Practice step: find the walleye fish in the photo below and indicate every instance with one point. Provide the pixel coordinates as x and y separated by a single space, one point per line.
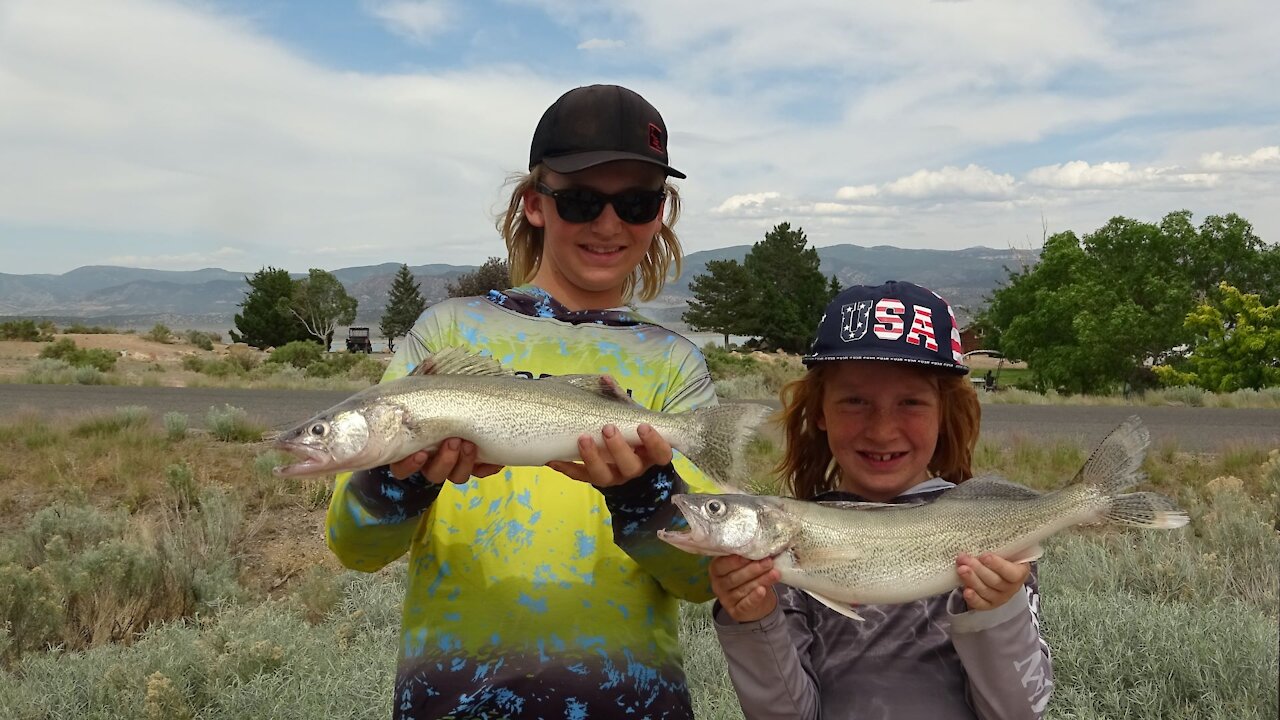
511 420
863 553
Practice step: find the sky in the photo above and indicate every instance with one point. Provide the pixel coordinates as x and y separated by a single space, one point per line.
184 134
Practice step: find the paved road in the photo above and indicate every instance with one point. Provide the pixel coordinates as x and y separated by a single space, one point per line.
1196 429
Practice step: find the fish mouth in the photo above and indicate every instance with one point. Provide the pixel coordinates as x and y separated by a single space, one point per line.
314 460
697 538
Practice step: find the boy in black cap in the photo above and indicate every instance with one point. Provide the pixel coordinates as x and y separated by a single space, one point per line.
884 414
521 601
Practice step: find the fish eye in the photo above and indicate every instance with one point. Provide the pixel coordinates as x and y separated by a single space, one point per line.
319 429
715 508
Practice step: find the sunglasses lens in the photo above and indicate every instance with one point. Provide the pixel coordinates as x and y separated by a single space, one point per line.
638 206
579 205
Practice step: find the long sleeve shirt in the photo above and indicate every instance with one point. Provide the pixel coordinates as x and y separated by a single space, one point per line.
520 602
932 658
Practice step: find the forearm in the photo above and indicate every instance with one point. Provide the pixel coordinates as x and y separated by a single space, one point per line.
373 516
765 667
1007 663
641 507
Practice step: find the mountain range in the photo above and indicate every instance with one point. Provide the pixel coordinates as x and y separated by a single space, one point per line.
209 298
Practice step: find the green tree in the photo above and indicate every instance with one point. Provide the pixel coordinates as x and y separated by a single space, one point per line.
262 321
1093 312
834 288
404 304
492 275
719 297
1236 345
790 292
321 303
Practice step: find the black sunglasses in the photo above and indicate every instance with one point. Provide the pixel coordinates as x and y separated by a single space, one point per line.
580 205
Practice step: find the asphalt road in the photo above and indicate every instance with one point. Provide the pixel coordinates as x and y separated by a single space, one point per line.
1194 429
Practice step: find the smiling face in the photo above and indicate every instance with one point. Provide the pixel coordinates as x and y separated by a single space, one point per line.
882 421
584 265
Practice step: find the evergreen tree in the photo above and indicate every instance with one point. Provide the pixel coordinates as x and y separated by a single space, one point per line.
263 321
719 297
404 304
493 275
790 292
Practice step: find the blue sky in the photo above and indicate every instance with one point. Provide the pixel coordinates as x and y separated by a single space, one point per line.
180 134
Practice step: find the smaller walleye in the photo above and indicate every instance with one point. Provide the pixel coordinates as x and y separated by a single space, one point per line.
511 420
864 553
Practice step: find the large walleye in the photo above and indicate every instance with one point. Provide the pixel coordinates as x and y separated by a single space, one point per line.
511 420
862 553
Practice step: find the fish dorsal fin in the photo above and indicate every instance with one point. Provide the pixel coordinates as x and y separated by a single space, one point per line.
843 608
603 385
857 505
989 487
460 361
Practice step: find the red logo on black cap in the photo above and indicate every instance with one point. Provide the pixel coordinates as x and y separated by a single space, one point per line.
655 137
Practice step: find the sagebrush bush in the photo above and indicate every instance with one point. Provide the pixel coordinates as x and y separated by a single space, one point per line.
67 351
160 333
232 424
200 339
20 330
175 425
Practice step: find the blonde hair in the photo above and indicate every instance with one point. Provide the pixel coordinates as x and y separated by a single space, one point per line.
664 259
808 468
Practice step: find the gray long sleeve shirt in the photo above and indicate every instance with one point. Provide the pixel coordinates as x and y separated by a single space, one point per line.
931 659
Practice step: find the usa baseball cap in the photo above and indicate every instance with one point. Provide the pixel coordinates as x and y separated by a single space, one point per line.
596 124
895 322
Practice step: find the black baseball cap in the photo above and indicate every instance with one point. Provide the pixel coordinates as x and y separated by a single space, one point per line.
596 124
895 322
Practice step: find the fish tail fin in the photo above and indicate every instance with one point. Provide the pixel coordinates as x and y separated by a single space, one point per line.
1114 466
721 434
1145 509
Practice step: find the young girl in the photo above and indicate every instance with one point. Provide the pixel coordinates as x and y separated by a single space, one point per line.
884 414
520 600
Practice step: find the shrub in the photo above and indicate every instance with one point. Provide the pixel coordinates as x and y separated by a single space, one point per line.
175 425
81 329
20 330
244 357
182 484
67 351
299 353
231 424
160 333
194 363
125 418
200 339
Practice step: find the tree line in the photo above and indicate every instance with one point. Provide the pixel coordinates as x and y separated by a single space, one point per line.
278 309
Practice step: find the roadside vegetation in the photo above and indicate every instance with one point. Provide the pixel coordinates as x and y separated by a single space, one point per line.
147 570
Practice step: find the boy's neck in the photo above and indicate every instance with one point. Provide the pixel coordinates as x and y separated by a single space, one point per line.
575 298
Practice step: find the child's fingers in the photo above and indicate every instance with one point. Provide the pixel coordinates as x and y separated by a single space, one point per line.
656 447
625 459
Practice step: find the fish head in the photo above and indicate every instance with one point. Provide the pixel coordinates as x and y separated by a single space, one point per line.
748 525
352 438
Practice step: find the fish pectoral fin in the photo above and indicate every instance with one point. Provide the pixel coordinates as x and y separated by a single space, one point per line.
1035 552
460 361
602 385
988 487
844 609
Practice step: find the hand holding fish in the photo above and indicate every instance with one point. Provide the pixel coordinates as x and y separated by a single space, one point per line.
744 587
455 461
617 462
989 580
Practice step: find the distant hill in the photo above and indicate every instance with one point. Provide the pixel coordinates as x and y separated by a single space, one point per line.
209 298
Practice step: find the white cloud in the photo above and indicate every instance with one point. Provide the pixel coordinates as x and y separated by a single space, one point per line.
750 202
1080 175
417 20
970 182
857 192
217 257
1266 158
601 44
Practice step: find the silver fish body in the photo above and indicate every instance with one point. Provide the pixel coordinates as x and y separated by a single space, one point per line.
867 553
511 420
